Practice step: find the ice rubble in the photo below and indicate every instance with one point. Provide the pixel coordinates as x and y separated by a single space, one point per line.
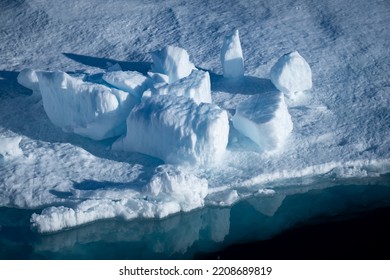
196 86
264 118
291 74
167 115
231 56
9 147
91 110
173 62
177 185
169 191
176 130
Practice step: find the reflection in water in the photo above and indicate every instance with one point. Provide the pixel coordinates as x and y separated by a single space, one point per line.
170 237
184 235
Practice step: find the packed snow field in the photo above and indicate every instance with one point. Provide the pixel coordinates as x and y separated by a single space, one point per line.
136 109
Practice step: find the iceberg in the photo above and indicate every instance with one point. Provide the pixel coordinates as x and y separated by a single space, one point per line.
196 86
342 130
231 56
130 81
264 118
176 130
173 62
29 79
291 74
91 110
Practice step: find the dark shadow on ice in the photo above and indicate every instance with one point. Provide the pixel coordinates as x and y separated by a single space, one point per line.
103 63
247 85
9 85
89 185
61 194
238 141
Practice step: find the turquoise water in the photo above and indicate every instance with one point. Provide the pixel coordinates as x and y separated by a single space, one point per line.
186 235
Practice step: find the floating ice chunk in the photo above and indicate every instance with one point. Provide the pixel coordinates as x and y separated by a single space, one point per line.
196 86
9 146
264 118
171 183
291 73
87 109
130 81
176 130
173 62
231 56
29 79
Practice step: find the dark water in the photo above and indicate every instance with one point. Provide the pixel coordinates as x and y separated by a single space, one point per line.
345 220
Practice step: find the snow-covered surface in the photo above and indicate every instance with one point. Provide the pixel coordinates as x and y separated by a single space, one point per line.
264 118
88 109
231 56
196 86
173 62
341 129
176 130
9 147
291 73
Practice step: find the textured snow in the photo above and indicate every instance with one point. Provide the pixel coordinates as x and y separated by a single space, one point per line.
130 81
195 86
9 147
264 118
176 130
173 62
340 130
231 56
177 185
84 108
291 73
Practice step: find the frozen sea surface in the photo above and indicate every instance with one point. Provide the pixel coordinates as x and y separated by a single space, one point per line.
341 127
206 232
